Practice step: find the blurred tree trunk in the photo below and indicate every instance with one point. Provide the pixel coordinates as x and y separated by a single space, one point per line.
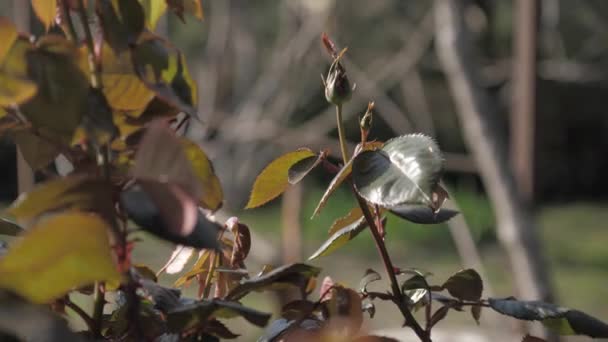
25 175
516 229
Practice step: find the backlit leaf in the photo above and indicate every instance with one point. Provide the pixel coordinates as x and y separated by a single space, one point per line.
122 22
212 195
178 259
274 179
339 178
465 285
421 214
340 238
73 192
15 85
404 171
153 9
190 316
59 253
8 32
299 170
288 275
45 11
353 216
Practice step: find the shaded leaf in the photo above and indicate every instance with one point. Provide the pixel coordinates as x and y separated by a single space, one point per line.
422 214
60 252
45 11
37 152
189 316
370 276
465 285
122 22
476 313
273 180
242 242
299 170
29 322
287 275
340 238
529 338
370 308
217 328
8 227
374 338
297 309
169 215
212 194
339 178
16 86
404 171
563 320
73 192
439 315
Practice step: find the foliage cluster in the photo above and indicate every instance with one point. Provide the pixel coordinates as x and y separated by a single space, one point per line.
104 91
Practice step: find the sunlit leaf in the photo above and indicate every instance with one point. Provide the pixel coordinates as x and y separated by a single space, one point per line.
340 238
166 211
201 266
339 178
274 179
287 275
193 7
163 69
212 195
178 259
190 316
122 22
59 253
121 85
154 10
404 171
74 192
353 216
563 320
8 32
465 285
45 11
421 214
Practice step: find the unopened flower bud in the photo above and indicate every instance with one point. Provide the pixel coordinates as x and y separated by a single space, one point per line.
337 86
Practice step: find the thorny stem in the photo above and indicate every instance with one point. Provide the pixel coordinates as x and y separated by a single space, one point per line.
386 259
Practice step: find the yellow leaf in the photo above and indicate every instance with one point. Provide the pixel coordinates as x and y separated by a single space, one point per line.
274 178
15 90
8 32
60 253
73 192
45 11
121 86
353 216
38 153
15 86
153 9
212 194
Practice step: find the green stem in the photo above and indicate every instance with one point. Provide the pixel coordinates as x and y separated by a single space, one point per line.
345 156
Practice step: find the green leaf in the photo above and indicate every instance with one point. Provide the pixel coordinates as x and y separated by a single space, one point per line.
339 178
193 315
340 238
288 275
212 195
405 171
72 192
59 253
422 214
122 22
274 179
8 227
465 285
45 10
163 70
154 10
563 320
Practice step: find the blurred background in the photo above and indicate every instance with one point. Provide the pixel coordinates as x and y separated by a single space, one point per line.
514 92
